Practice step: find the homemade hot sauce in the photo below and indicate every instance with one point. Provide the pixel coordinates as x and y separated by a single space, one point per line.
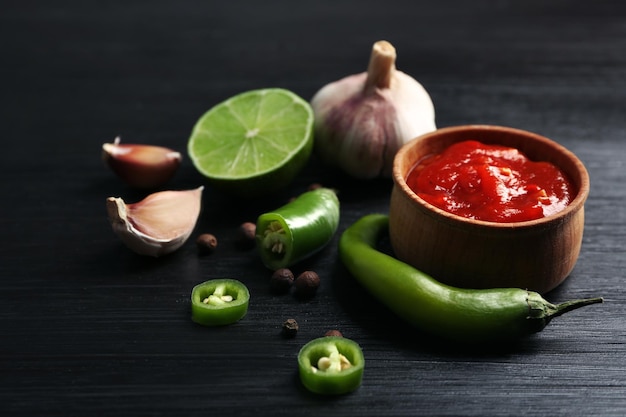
491 183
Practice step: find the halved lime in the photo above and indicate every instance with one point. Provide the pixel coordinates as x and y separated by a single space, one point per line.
253 143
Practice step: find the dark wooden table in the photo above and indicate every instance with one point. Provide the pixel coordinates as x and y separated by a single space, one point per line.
89 329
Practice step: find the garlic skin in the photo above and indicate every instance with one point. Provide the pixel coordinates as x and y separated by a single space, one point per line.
363 119
157 225
141 166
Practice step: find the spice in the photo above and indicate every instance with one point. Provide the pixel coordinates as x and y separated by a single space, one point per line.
306 284
333 332
246 236
290 328
206 243
462 315
281 281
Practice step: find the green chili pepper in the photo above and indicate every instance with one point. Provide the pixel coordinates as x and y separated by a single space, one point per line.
298 229
331 365
452 313
219 302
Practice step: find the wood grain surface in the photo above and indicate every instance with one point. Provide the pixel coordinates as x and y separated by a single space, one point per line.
90 329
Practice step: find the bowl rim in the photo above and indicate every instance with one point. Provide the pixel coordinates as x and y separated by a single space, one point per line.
574 206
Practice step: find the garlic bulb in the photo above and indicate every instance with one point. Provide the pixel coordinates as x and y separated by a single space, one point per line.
158 224
362 120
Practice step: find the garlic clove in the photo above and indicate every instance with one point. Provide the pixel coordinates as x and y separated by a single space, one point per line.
362 120
141 166
159 224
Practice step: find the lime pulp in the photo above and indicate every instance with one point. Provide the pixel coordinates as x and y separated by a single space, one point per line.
253 142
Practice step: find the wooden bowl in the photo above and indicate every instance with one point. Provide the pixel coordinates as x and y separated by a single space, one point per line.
536 255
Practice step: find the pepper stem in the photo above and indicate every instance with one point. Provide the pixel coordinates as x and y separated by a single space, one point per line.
381 66
541 312
566 306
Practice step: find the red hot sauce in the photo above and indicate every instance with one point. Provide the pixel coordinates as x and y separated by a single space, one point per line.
490 182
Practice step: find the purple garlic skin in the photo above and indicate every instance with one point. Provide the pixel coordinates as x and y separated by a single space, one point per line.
362 120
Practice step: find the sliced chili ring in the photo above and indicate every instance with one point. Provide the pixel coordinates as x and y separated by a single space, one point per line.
219 302
331 365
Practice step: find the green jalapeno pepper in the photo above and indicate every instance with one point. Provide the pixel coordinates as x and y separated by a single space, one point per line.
445 311
219 302
298 229
331 365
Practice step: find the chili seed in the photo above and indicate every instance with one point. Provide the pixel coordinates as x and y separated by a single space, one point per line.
306 284
281 281
290 328
328 364
206 243
324 363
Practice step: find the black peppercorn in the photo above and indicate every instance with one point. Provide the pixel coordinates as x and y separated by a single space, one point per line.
290 328
306 284
206 243
281 281
246 238
333 333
